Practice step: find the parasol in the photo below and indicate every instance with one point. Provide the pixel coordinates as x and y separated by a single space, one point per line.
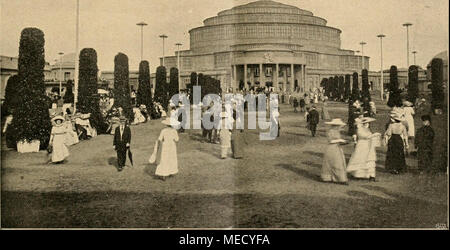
130 155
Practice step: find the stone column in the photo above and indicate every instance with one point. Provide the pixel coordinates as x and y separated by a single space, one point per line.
235 83
245 75
285 79
276 85
292 77
260 74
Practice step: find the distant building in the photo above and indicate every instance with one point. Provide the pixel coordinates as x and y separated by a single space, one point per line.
266 43
9 67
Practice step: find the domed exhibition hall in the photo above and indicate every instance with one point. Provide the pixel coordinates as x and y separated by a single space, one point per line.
249 43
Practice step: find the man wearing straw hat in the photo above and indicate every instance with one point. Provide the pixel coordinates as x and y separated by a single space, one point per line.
122 140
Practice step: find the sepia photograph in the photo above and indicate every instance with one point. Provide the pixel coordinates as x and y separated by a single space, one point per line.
230 114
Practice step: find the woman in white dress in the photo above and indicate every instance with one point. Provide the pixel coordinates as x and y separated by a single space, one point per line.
168 162
363 160
334 165
71 135
409 117
57 140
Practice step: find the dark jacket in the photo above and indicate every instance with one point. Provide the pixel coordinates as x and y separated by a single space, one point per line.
314 117
121 143
424 138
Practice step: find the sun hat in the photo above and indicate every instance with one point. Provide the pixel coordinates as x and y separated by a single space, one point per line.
58 117
170 122
396 115
364 120
407 104
336 122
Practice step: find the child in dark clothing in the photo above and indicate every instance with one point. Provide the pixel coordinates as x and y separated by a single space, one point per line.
424 144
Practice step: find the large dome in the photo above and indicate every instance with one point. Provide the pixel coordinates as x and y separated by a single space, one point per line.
261 23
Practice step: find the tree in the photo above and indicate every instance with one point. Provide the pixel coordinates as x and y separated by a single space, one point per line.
347 87
68 96
12 94
174 84
88 98
365 93
336 88
193 82
355 88
31 119
161 89
324 85
413 83
122 96
144 93
437 91
395 99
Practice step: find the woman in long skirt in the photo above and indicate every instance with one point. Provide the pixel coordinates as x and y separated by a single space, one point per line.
334 165
363 161
168 162
396 137
325 113
58 139
409 117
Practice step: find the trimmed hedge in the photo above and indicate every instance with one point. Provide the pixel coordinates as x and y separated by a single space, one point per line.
88 98
31 119
161 88
355 88
437 91
395 99
122 96
144 93
413 83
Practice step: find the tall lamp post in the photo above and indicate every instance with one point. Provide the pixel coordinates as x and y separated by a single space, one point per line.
142 24
76 57
163 38
60 71
414 53
381 36
362 52
407 42
178 66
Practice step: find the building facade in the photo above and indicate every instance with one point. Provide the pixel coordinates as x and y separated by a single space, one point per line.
266 43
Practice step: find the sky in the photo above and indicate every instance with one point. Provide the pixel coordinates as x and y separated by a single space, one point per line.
109 26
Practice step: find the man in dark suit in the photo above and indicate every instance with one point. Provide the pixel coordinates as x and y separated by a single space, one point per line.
313 120
424 144
122 140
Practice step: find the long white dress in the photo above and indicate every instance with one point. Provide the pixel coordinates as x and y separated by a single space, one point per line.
362 163
60 151
409 112
168 163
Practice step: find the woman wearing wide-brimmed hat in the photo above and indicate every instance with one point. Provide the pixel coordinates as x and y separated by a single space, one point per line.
167 160
334 164
396 138
362 162
57 140
409 117
225 136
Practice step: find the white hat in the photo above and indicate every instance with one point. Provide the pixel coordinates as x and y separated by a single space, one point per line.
407 104
170 122
58 117
336 122
364 120
223 115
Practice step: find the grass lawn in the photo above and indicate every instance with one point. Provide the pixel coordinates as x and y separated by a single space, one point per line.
276 185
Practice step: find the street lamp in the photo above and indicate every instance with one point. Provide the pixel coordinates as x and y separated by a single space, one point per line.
407 42
414 53
75 99
60 71
142 24
381 36
178 66
163 38
362 51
